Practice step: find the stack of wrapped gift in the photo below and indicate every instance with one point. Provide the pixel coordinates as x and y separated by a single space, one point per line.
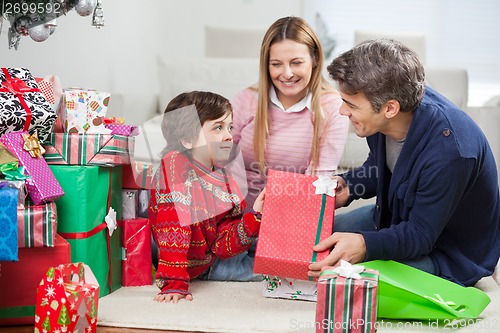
86 158
297 215
137 260
28 188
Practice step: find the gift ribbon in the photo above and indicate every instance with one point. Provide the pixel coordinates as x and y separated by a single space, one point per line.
100 227
15 174
32 145
6 167
325 186
320 227
345 269
18 87
449 304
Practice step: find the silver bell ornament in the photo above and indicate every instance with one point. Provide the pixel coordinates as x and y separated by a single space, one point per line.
39 32
85 7
52 24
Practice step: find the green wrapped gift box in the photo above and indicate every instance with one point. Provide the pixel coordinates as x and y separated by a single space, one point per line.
90 193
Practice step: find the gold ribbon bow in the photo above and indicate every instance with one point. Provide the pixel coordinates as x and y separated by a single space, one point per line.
32 145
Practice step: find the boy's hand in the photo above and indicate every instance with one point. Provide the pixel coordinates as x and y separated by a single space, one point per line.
172 297
258 205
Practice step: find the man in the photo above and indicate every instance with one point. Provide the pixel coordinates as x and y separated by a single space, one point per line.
430 167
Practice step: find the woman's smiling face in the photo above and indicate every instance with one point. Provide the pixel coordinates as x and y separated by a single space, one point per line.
290 69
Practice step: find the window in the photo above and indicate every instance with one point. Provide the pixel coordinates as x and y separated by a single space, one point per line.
458 33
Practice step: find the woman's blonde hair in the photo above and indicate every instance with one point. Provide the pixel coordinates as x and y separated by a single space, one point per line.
297 30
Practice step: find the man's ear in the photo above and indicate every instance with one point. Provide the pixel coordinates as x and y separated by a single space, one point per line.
392 108
187 143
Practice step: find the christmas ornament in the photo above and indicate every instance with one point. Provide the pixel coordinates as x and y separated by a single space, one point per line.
22 24
85 7
39 32
52 24
13 38
98 17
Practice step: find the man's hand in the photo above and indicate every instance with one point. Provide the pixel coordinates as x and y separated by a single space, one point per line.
341 192
348 246
172 297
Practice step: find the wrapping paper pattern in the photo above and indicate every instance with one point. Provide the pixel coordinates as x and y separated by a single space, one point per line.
42 186
8 229
276 287
19 281
143 203
20 186
291 222
137 261
83 110
130 204
51 88
37 225
90 192
64 305
88 149
123 129
347 304
23 108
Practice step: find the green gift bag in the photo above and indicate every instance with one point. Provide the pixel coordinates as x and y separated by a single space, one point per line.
405 292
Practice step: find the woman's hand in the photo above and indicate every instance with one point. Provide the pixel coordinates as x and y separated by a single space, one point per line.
258 205
172 297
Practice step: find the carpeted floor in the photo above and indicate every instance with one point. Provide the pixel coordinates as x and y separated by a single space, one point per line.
239 307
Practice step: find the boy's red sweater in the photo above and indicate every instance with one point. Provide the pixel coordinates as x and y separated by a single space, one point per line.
196 216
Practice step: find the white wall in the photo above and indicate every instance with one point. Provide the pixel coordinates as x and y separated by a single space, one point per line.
121 57
458 33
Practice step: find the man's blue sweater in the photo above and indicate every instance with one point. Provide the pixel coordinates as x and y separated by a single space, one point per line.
442 199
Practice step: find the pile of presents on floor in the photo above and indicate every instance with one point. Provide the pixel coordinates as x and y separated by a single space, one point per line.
74 227
72 204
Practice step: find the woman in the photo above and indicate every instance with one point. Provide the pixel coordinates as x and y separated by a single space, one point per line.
290 121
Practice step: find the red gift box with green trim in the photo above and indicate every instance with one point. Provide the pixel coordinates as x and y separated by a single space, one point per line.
294 219
347 299
88 149
37 225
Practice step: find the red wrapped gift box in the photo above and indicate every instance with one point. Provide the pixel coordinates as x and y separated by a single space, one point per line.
19 280
294 219
137 261
347 300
